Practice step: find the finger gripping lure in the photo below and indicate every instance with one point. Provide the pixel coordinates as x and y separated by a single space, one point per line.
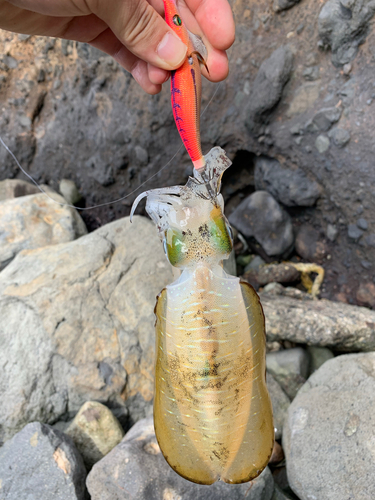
186 83
212 411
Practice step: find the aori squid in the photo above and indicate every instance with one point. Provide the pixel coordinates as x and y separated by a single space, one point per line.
212 411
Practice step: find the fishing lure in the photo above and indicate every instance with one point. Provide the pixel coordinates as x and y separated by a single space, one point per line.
212 411
186 83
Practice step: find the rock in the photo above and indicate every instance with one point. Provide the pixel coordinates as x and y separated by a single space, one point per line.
290 368
343 26
308 244
279 5
95 432
69 191
366 295
14 188
332 232
322 143
259 215
318 356
328 437
230 265
277 454
77 324
137 469
340 137
354 232
362 224
268 86
303 99
36 221
325 118
42 463
311 74
9 62
273 273
288 186
279 494
280 404
370 240
339 326
255 263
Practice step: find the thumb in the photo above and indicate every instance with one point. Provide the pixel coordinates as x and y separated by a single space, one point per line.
140 28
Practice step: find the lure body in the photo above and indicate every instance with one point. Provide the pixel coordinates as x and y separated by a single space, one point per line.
186 83
212 412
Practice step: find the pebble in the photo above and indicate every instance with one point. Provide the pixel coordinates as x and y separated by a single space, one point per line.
370 240
311 74
280 404
331 232
318 356
340 137
366 295
309 245
255 263
354 232
362 224
95 432
259 215
325 118
322 143
70 192
273 273
290 368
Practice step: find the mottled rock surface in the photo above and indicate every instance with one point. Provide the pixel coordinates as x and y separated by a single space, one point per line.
137 469
260 216
328 436
95 432
323 323
289 187
41 463
77 324
36 221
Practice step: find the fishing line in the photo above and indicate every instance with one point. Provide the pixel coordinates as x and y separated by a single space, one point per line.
108 202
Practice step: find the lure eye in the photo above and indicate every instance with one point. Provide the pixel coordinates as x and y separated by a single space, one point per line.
177 20
230 232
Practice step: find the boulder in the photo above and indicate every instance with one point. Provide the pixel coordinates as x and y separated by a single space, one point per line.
328 436
36 221
77 324
42 463
137 469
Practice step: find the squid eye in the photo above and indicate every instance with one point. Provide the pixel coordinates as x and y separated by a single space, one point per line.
165 247
230 232
177 20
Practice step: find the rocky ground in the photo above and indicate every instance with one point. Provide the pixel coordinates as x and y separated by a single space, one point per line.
77 356
295 115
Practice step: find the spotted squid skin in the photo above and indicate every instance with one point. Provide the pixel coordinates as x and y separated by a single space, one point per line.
212 411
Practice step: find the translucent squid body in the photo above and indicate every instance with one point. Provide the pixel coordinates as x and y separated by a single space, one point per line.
212 411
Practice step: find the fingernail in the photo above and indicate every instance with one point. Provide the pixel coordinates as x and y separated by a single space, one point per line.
172 50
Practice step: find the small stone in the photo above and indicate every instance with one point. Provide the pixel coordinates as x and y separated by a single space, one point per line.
10 62
290 368
354 232
255 263
340 137
25 121
325 118
311 74
332 232
309 245
370 240
259 215
366 264
41 463
280 5
362 224
141 155
95 431
69 190
280 404
273 273
347 68
366 295
322 143
277 454
318 356
296 129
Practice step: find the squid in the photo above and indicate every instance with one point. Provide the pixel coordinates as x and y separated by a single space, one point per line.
212 411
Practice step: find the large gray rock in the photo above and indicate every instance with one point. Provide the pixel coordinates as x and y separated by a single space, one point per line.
259 215
328 438
268 86
77 324
290 187
36 221
342 327
343 26
41 463
137 469
290 368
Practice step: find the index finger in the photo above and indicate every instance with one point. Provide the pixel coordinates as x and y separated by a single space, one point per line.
216 20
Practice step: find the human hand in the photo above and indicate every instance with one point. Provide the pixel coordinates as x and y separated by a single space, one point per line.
131 31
